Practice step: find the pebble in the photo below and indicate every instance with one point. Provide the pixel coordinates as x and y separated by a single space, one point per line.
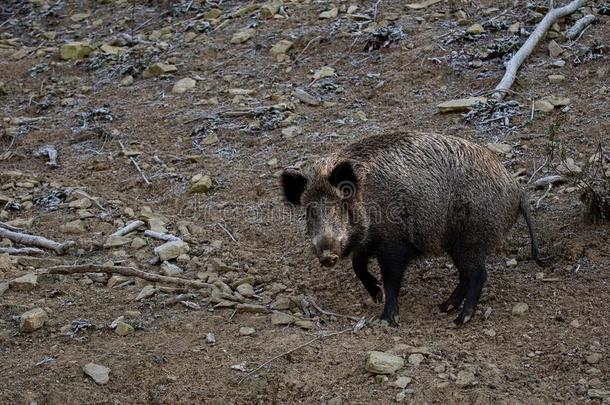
543 105
558 101
252 308
3 288
99 373
292 131
475 29
465 378
171 250
201 184
123 329
556 78
114 241
402 382
281 47
146 292
460 104
520 308
26 282
138 243
416 359
158 69
33 319
170 270
76 227
243 35
127 81
281 318
304 324
501 148
305 97
554 49
511 262
489 332
246 331
594 358
332 13
75 50
383 363
598 394
210 339
323 72
569 167
182 85
246 290
5 262
575 323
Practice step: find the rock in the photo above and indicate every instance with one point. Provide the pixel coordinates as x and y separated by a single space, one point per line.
146 292
465 379
281 47
3 288
554 49
99 374
558 101
460 104
127 80
252 308
201 184
559 63
514 28
242 36
511 263
292 131
281 318
272 162
402 382
304 324
501 148
114 241
182 85
598 394
75 50
25 283
270 9
556 78
158 69
210 339
123 329
520 308
246 290
489 332
116 280
81 203
332 13
76 227
594 358
569 167
171 250
475 29
325 71
246 331
170 270
383 363
78 17
305 97
138 243
416 359
112 50
5 262
575 323
33 319
543 105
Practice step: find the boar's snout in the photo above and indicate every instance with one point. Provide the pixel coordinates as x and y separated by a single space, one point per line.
328 259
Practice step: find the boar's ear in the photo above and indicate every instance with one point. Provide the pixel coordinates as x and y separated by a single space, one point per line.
293 184
344 178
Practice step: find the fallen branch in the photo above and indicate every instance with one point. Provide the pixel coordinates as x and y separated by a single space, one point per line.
135 164
328 313
161 236
33 240
10 227
579 26
528 47
130 227
126 271
22 251
548 190
319 337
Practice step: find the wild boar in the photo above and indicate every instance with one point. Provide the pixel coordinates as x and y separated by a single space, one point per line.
406 195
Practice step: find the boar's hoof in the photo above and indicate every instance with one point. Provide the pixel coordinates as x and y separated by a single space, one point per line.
377 296
445 307
392 321
462 318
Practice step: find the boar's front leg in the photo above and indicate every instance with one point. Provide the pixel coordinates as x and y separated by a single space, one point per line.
473 274
360 261
393 261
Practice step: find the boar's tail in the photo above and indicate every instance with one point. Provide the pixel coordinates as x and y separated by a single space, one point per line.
523 207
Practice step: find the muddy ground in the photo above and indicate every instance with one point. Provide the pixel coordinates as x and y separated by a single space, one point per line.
240 124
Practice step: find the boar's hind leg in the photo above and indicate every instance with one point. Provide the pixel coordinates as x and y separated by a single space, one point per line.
360 261
457 296
393 261
471 265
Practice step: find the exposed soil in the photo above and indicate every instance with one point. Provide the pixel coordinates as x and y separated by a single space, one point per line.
381 83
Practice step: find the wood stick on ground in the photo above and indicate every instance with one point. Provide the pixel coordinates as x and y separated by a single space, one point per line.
528 47
126 271
328 313
135 164
22 251
38 241
319 337
168 237
10 227
579 26
130 227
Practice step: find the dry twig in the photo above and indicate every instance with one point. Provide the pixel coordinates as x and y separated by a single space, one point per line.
518 58
33 240
168 237
579 26
126 271
22 251
130 227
